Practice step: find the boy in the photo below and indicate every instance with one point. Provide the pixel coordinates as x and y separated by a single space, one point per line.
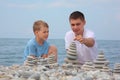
38 46
84 38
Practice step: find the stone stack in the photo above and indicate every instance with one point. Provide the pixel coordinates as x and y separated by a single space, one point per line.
72 54
101 61
106 69
42 61
67 66
117 68
51 59
31 61
87 66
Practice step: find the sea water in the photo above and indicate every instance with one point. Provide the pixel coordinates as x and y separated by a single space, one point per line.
11 50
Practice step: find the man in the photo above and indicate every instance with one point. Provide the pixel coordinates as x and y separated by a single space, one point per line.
84 38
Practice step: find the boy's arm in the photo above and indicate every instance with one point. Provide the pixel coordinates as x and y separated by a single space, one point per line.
44 56
33 56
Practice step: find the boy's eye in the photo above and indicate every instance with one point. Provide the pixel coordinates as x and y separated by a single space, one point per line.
46 32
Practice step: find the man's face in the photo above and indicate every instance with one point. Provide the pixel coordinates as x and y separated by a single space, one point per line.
43 33
77 25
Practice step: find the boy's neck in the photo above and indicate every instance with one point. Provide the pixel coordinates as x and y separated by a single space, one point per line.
40 41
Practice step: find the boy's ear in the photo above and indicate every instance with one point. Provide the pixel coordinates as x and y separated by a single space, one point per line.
36 32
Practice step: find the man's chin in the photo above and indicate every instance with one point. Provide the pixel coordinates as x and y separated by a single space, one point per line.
45 38
76 33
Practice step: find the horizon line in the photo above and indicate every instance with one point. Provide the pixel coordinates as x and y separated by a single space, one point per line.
48 38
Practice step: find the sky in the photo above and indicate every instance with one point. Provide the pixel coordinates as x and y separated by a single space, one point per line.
17 17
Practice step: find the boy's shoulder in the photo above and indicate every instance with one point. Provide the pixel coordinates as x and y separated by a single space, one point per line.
46 42
31 41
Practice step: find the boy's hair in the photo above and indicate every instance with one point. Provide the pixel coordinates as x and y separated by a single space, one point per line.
76 15
38 24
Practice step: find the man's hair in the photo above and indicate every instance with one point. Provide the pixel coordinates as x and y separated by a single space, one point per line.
76 15
38 24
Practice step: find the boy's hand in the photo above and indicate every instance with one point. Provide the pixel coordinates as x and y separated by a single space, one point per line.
79 38
44 56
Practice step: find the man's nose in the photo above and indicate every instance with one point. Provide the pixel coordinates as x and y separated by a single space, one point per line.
75 27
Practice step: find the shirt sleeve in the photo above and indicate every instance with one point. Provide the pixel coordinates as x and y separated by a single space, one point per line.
66 41
32 49
46 47
90 34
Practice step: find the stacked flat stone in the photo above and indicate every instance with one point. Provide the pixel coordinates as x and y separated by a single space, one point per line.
30 61
100 61
51 59
67 65
42 61
72 54
117 68
106 69
87 66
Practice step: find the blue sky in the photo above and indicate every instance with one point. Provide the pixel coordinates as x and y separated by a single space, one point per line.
17 17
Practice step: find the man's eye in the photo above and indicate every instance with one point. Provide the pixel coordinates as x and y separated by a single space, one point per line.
44 32
72 24
78 24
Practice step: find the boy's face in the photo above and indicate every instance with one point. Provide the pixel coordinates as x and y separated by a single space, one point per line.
77 25
43 33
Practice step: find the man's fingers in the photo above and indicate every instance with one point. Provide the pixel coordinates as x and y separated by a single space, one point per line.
75 38
79 38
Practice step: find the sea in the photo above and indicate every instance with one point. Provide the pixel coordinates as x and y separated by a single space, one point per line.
11 50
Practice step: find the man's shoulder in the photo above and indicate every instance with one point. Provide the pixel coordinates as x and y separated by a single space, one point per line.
69 35
88 31
69 32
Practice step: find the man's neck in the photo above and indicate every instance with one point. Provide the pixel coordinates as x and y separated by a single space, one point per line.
80 33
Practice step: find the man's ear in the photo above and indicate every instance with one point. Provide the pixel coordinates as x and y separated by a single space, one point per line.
84 22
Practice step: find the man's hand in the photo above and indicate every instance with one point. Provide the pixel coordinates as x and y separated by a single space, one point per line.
89 42
79 38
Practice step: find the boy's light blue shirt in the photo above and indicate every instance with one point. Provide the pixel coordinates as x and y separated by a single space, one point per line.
33 48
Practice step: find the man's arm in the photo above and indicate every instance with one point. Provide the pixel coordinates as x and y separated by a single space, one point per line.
89 42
